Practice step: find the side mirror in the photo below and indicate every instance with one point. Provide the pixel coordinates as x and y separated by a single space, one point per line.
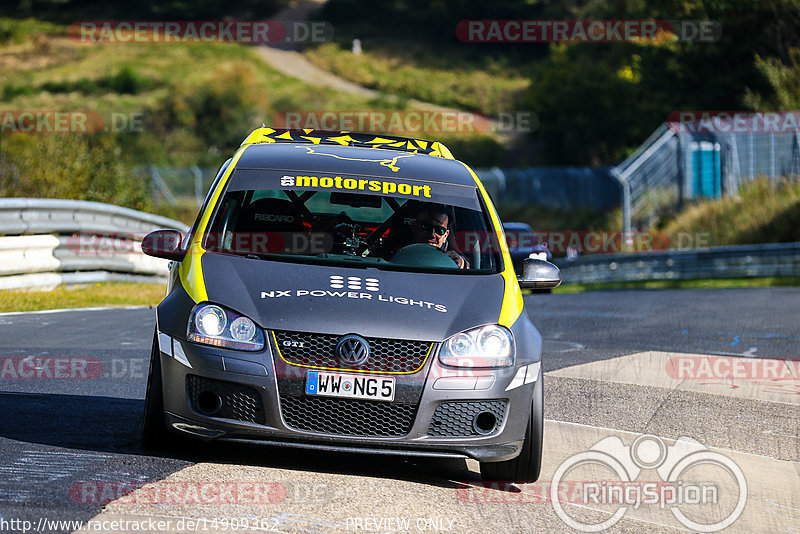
164 244
539 274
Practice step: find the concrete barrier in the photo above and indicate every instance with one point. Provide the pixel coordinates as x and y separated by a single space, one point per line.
47 242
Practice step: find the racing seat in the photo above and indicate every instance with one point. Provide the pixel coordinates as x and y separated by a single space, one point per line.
269 225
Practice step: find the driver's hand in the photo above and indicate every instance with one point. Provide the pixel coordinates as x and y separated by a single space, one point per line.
458 258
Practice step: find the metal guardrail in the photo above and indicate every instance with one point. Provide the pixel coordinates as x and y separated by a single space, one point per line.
740 261
47 242
44 215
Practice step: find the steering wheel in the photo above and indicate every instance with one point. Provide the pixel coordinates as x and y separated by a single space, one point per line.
423 255
346 239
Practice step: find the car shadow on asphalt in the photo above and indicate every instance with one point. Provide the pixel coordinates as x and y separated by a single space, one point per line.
107 424
74 421
439 472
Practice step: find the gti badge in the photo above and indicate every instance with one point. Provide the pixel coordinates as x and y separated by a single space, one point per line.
352 350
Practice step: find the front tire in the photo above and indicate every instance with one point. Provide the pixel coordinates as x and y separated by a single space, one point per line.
526 466
154 429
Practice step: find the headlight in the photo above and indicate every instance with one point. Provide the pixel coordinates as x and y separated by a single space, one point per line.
210 321
486 346
212 325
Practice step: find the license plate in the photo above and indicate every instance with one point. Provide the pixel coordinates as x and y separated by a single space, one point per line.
379 388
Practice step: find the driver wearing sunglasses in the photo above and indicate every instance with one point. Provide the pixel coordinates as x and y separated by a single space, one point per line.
432 226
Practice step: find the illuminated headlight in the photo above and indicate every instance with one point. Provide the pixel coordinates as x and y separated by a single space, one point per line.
212 325
486 346
210 321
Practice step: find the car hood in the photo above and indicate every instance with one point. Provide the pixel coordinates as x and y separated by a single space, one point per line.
339 300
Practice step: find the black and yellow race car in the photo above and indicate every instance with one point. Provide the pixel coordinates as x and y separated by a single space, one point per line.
349 292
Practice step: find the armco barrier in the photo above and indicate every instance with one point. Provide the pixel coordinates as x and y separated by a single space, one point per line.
46 242
740 261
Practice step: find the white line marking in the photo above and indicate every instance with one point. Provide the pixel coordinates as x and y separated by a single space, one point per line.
43 467
63 310
712 352
779 505
550 346
779 434
668 439
769 380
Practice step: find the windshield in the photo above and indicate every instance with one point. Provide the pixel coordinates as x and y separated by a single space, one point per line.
375 230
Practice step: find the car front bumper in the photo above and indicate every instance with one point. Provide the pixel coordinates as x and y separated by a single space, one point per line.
248 385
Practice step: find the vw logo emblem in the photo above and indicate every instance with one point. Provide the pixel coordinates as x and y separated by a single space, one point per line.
352 350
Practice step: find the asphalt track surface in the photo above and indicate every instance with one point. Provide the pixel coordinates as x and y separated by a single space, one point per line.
618 365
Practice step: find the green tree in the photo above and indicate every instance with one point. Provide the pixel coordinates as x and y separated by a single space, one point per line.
597 102
72 166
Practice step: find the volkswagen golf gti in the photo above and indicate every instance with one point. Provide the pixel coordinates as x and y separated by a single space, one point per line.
349 292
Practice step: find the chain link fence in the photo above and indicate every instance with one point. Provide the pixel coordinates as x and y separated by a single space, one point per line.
564 187
669 168
172 183
567 188
674 166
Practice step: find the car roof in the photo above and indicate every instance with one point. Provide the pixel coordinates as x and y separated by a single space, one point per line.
354 160
517 226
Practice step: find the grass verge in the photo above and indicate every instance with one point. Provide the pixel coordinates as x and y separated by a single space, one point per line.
764 211
114 294
706 283
413 72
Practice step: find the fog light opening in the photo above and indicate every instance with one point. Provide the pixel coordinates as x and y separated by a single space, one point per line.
484 423
208 403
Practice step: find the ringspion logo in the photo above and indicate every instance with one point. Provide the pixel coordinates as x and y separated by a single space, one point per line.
692 477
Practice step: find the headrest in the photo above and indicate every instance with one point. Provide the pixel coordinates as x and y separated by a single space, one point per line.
272 214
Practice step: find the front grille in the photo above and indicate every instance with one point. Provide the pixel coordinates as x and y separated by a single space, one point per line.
349 417
455 419
386 355
239 402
